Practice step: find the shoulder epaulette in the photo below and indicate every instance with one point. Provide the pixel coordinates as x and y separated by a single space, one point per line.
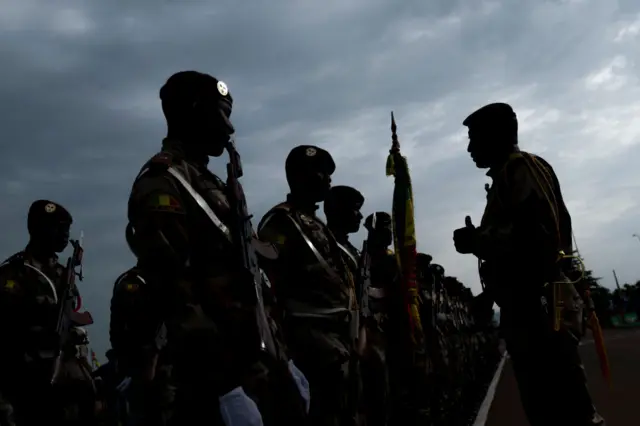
163 159
282 206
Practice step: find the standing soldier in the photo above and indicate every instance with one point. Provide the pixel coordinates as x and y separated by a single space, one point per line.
313 285
383 275
342 210
183 228
29 308
524 231
138 336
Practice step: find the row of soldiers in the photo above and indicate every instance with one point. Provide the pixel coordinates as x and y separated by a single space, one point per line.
219 323
450 371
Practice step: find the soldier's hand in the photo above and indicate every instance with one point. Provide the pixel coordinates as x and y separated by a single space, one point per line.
464 238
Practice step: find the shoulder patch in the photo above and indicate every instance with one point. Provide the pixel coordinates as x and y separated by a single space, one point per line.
10 286
165 202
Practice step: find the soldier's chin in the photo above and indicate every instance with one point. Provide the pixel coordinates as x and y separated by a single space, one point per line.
215 150
60 246
480 163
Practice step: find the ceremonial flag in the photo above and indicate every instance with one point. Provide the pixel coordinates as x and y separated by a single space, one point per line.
404 232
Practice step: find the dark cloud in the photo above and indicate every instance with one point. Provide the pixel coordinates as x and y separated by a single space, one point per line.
80 110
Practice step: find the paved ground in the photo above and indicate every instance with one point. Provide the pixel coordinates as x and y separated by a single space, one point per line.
619 405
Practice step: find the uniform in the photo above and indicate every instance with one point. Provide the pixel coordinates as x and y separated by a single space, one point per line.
314 289
383 278
182 230
524 227
342 210
30 283
138 336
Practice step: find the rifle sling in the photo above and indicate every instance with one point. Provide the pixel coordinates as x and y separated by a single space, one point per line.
201 202
348 253
306 239
43 275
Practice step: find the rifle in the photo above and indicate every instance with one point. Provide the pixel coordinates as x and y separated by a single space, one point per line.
68 315
243 242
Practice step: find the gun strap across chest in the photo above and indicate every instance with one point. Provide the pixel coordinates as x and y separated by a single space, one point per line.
202 203
42 275
321 260
349 254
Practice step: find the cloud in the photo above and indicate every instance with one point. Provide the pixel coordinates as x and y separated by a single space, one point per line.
80 112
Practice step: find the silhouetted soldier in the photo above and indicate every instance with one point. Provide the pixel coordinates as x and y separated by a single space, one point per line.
313 284
523 233
186 235
342 210
29 307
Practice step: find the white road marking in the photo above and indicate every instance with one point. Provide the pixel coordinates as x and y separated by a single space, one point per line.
483 413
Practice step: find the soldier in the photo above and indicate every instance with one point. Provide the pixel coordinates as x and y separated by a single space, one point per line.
383 273
525 229
138 336
313 284
75 385
185 234
29 307
342 210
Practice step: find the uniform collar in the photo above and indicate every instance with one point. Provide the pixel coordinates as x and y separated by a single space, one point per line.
302 205
495 170
177 148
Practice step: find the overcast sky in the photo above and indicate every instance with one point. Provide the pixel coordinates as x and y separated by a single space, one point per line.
80 113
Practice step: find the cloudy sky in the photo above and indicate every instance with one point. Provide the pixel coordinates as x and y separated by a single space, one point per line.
80 114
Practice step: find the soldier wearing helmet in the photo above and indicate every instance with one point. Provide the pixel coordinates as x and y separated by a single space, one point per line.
313 284
182 230
30 283
524 231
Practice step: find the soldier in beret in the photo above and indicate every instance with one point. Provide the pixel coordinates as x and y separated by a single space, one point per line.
342 210
182 226
29 303
525 230
313 284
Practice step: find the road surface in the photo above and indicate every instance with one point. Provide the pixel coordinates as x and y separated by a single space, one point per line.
618 405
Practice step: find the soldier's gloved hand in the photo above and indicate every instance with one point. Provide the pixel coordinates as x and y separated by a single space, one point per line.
302 383
237 409
464 238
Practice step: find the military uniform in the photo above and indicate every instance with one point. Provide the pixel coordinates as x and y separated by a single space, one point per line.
29 291
315 293
138 335
342 210
524 227
182 230
75 384
383 279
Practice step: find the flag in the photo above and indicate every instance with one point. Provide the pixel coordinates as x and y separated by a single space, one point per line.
404 232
